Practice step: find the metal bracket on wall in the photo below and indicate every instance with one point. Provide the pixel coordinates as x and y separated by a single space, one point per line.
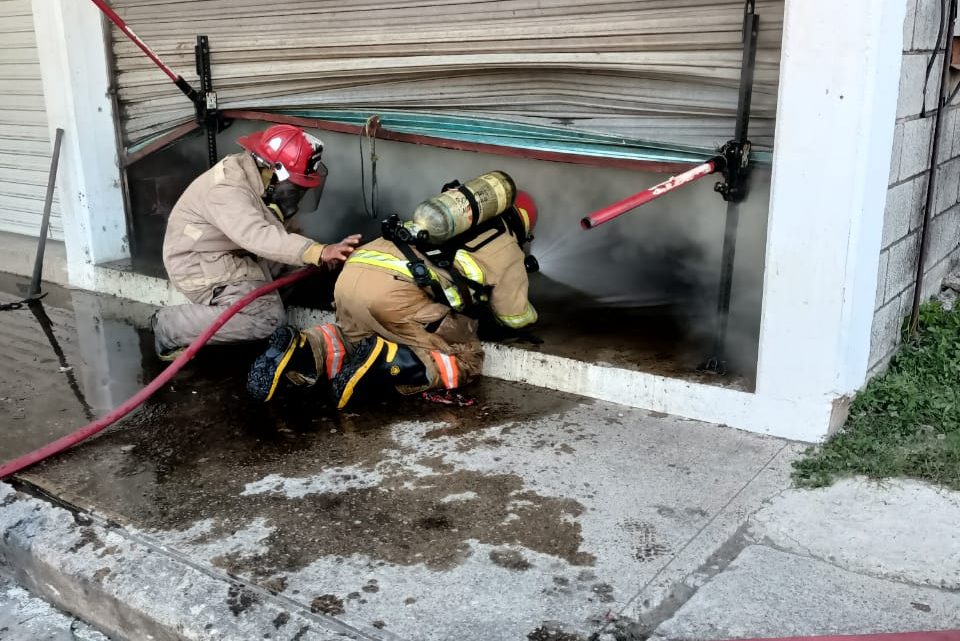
207 107
734 187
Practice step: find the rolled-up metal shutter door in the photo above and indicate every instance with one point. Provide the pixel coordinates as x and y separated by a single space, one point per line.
25 146
657 70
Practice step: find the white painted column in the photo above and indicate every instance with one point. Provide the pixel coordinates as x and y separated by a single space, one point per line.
73 62
838 96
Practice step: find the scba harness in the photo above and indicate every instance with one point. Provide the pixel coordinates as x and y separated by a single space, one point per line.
423 268
454 256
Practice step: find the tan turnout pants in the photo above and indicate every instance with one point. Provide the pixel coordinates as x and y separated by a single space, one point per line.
179 325
372 301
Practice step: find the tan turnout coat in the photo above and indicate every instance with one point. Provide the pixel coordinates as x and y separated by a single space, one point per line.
220 226
374 295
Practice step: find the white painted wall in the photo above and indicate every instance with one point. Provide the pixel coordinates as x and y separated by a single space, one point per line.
73 62
835 128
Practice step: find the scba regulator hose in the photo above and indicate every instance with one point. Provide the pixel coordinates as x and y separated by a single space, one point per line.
137 399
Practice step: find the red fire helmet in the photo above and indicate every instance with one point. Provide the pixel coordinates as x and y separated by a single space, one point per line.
294 153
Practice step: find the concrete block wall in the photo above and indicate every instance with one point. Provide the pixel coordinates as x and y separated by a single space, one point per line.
909 175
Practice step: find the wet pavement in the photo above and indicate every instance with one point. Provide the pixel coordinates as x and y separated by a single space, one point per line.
530 512
656 339
73 357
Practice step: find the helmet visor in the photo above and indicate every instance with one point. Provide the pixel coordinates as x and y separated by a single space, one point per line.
311 197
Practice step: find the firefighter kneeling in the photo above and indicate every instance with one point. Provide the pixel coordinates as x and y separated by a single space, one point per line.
406 315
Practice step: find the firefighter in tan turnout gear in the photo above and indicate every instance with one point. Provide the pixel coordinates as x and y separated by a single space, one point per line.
406 309
226 233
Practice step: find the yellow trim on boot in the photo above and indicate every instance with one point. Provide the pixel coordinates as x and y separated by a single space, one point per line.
391 354
360 373
283 364
391 350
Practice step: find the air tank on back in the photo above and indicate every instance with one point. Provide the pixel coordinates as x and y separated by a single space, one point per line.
452 212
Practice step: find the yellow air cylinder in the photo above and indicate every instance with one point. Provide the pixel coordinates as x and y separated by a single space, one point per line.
457 210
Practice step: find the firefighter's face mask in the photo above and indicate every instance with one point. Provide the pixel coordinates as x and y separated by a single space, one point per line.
287 197
291 199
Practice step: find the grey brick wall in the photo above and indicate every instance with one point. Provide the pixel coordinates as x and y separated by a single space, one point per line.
906 198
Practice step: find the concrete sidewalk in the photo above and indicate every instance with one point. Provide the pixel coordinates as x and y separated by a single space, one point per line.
492 523
397 520
531 515
855 558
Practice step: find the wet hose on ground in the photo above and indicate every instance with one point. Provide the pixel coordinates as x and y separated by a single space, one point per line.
85 432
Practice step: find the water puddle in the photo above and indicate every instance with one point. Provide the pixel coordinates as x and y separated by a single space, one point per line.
68 358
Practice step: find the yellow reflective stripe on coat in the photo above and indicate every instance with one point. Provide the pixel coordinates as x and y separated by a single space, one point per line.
525 218
380 259
528 316
453 297
399 265
468 266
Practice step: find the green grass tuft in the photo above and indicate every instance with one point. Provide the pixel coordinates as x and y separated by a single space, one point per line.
905 422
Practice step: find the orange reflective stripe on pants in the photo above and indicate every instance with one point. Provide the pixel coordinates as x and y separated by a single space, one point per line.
449 371
335 351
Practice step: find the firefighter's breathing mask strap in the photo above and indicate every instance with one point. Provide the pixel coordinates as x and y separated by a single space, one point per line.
269 179
266 173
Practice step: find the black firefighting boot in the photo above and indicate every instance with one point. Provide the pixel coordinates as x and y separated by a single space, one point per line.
302 369
377 361
404 370
268 368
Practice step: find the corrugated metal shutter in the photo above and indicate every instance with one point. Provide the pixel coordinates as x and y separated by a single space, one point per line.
662 70
25 146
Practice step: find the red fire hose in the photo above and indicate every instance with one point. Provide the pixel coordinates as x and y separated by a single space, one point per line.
134 401
627 204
